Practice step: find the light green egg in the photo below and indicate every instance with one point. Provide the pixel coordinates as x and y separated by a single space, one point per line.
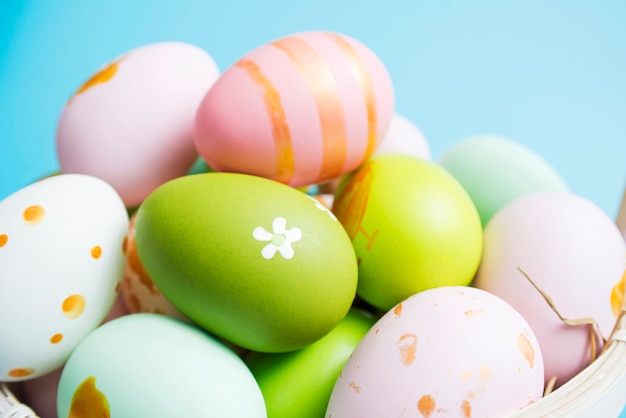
258 263
496 170
149 365
412 225
299 383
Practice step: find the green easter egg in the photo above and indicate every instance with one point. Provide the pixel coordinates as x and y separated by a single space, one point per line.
496 170
412 225
256 262
299 383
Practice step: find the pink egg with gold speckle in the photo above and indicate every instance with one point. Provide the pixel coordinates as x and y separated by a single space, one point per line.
131 123
302 109
62 255
448 351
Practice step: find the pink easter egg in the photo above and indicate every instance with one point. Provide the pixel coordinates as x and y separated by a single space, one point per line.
302 109
131 123
574 254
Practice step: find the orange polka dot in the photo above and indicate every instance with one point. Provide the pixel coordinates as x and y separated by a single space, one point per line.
73 306
34 214
96 252
3 239
21 372
56 338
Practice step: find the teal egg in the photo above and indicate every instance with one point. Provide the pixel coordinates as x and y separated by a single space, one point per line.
150 365
256 262
496 170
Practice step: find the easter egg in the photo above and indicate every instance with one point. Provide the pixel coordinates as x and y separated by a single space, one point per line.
302 109
131 124
299 383
412 225
574 254
449 351
495 170
62 255
148 365
256 262
138 291
405 137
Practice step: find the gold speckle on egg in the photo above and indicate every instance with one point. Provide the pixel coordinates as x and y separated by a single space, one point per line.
472 312
426 405
526 348
21 372
407 344
466 374
398 309
56 338
4 238
101 76
466 408
73 306
485 372
89 402
34 214
356 388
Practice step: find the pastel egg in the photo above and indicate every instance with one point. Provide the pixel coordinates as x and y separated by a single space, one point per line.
62 255
254 261
404 137
575 255
131 124
138 291
412 226
450 351
299 383
302 109
495 170
148 365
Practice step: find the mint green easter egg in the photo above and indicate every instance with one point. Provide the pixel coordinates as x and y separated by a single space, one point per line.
496 170
412 225
150 365
256 262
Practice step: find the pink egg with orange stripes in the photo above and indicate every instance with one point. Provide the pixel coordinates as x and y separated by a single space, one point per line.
300 110
62 256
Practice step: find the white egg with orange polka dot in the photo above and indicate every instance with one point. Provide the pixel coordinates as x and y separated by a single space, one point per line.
62 256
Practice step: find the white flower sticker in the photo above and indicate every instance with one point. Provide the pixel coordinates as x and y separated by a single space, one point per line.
322 207
279 240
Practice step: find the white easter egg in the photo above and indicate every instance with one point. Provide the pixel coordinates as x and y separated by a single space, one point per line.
62 255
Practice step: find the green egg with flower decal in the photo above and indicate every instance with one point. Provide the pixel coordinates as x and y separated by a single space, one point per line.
251 260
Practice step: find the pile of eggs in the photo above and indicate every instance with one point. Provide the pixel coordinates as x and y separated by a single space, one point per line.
275 241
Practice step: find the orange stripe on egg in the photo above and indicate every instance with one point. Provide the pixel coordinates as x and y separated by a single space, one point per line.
4 238
322 85
285 164
367 87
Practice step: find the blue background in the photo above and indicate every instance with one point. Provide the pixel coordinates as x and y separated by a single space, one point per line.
550 74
